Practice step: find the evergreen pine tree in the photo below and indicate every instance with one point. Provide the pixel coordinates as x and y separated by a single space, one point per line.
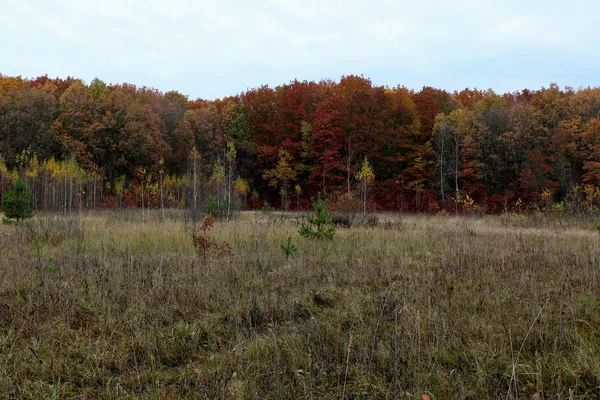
319 225
17 202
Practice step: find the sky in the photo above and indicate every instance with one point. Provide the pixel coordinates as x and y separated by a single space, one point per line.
212 49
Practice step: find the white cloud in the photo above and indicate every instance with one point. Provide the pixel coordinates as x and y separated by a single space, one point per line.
512 27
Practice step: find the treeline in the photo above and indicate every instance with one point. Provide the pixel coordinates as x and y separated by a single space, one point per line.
97 145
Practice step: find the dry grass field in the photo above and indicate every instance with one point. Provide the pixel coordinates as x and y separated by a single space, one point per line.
105 307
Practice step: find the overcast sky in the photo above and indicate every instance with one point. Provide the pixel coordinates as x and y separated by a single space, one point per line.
212 49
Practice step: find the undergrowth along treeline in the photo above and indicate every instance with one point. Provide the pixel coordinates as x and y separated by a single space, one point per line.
101 305
96 145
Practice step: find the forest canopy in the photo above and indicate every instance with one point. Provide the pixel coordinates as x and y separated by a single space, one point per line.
98 144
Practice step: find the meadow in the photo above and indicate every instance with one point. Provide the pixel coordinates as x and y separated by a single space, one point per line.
110 305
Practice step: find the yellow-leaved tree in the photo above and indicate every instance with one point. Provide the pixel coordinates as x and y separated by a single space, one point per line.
365 176
282 175
242 188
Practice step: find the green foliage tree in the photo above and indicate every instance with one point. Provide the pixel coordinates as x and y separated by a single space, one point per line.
238 124
319 225
17 202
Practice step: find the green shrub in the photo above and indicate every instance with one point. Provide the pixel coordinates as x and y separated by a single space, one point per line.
211 206
266 207
558 209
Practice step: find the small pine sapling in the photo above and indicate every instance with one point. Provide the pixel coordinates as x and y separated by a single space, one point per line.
289 249
319 225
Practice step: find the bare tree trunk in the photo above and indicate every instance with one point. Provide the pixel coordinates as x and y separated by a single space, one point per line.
142 201
45 191
70 195
65 194
456 167
195 194
162 205
442 170
348 164
229 173
364 196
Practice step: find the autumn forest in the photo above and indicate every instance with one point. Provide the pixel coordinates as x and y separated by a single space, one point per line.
98 145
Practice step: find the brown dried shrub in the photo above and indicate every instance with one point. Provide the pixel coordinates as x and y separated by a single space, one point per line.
206 245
